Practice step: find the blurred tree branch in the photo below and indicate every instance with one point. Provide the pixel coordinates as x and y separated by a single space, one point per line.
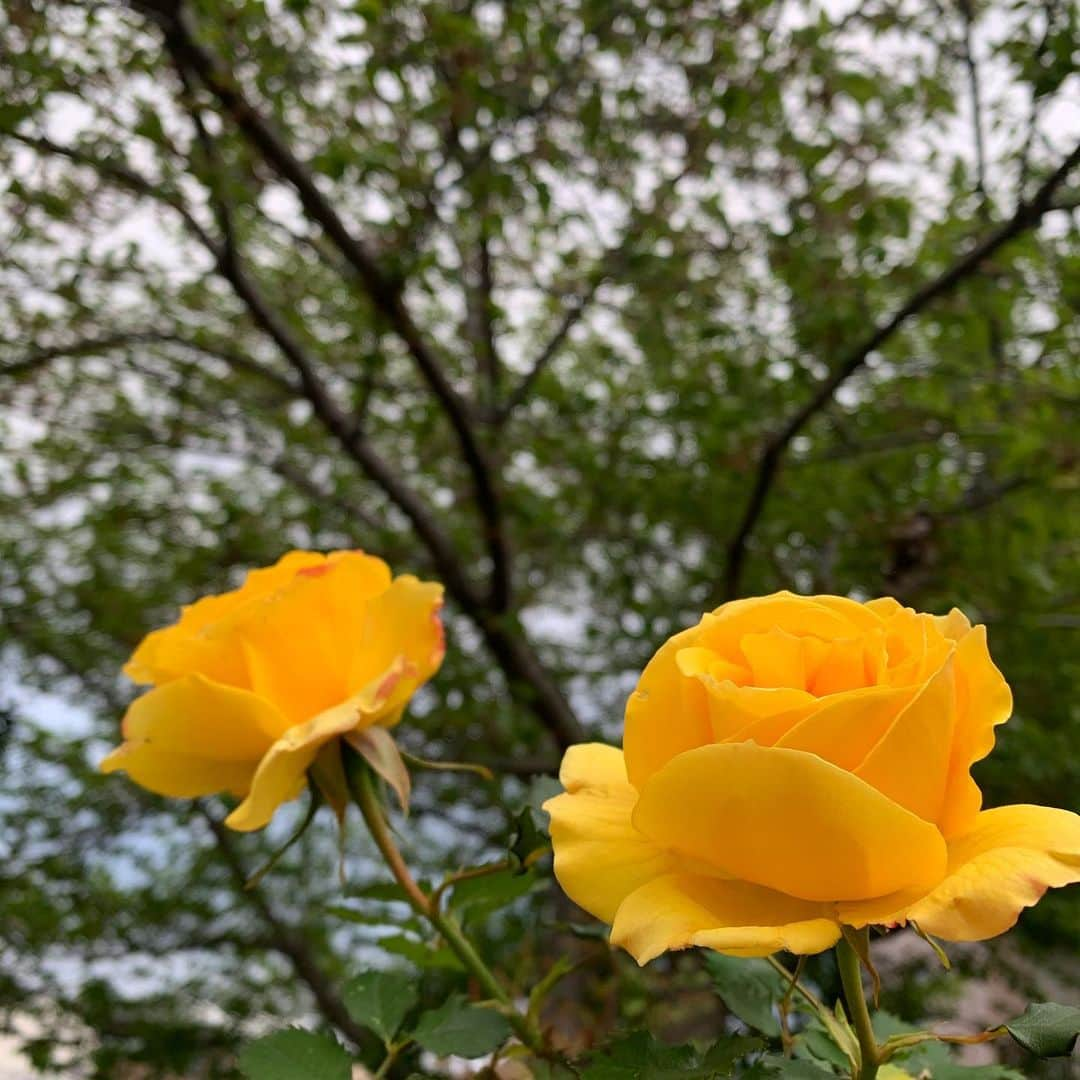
1026 216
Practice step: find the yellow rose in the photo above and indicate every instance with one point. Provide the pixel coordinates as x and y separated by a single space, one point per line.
792 764
250 686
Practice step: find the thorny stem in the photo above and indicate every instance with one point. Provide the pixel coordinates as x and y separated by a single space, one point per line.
851 977
362 786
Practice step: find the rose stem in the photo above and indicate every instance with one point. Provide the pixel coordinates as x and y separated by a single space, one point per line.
362 785
851 977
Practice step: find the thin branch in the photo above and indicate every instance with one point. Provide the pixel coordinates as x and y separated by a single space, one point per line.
120 173
575 309
1028 214
485 317
91 346
975 89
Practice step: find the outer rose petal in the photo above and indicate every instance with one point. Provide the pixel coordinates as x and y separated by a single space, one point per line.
193 736
282 773
600 858
666 714
678 911
1005 864
790 821
983 700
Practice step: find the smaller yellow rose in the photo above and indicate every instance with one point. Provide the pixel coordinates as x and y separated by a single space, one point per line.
251 687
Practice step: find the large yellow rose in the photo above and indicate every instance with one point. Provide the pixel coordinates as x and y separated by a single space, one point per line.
252 686
792 764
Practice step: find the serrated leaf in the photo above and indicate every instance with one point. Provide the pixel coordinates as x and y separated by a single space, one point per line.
750 989
295 1054
460 1028
1047 1029
380 1000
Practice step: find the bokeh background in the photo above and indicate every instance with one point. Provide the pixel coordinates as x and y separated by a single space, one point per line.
601 312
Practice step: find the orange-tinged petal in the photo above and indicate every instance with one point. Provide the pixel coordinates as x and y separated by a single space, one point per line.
865 617
763 714
845 729
790 821
402 632
695 662
190 645
844 666
1005 864
302 640
678 911
911 762
600 857
282 773
983 700
666 714
883 606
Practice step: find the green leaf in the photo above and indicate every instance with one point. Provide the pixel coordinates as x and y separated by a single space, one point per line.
1047 1029
380 1000
476 898
458 1027
530 841
420 953
750 989
294 1054
639 1056
952 1071
788 1068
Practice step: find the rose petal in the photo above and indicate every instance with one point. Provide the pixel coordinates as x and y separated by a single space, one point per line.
402 630
845 729
282 773
666 714
301 641
911 762
983 700
790 821
677 911
188 645
1005 864
193 736
599 856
